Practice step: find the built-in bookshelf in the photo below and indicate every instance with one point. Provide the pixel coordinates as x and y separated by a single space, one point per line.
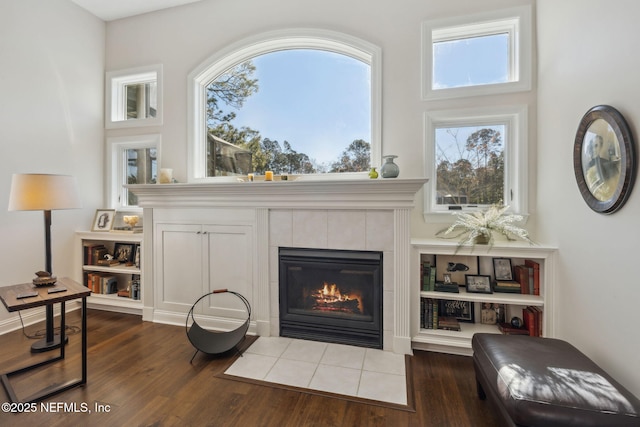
111 267
466 313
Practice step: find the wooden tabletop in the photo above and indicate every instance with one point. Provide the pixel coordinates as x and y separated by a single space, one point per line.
9 294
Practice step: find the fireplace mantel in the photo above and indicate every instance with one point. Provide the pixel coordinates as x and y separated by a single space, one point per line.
301 193
357 214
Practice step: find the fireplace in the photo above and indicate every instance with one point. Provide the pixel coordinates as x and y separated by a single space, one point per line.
331 295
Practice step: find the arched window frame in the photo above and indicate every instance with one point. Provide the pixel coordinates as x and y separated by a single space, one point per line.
265 43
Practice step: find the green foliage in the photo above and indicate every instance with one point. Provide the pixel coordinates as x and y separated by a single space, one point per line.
356 158
477 177
233 88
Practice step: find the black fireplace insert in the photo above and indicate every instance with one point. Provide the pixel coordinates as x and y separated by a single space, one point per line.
331 295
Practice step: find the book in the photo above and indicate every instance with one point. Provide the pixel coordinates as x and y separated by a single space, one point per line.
508 329
448 323
107 262
539 313
536 275
93 252
446 287
506 286
506 290
426 276
530 322
109 284
522 277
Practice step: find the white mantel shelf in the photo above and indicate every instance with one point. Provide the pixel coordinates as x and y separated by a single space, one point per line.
302 193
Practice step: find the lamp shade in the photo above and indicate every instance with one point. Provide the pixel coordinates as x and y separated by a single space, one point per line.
31 192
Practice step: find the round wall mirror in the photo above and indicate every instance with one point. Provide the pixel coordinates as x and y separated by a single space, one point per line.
604 159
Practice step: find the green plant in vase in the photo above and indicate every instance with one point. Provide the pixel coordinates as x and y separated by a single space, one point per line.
478 227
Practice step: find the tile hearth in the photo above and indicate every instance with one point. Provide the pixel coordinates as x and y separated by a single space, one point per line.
334 368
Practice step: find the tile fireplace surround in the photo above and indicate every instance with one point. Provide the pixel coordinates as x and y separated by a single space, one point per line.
354 214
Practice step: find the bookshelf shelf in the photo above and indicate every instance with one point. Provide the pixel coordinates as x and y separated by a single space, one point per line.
459 342
125 275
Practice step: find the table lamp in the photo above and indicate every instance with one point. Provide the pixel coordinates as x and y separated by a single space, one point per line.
42 192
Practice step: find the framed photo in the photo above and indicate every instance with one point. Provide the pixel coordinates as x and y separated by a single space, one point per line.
478 283
493 313
124 252
461 310
456 267
103 221
502 269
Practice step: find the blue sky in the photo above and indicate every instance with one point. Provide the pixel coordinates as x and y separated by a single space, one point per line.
317 101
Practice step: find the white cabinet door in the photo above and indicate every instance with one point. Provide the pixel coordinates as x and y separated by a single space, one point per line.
178 263
229 265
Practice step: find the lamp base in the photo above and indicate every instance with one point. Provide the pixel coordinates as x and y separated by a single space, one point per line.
43 345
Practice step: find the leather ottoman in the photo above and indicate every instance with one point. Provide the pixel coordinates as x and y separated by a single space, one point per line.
536 381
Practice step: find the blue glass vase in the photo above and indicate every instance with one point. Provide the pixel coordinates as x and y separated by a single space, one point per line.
389 169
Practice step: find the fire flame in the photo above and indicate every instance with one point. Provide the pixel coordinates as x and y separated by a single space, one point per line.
330 295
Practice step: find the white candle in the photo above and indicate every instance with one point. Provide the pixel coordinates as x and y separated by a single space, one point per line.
165 176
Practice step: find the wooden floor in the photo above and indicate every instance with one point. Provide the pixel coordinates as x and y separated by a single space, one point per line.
139 374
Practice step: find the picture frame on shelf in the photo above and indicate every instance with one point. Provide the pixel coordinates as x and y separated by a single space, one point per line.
461 310
124 252
502 269
478 283
456 266
493 313
103 220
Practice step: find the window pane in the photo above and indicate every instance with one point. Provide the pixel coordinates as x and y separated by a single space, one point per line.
470 165
296 111
471 61
141 100
141 168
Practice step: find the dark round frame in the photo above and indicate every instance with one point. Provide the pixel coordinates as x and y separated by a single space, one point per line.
627 164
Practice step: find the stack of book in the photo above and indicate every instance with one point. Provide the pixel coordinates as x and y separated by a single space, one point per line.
429 318
528 275
93 252
532 317
527 280
428 313
101 283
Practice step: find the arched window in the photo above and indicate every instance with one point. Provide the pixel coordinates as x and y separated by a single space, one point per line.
238 96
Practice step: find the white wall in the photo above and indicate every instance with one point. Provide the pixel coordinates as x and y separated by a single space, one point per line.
51 121
587 56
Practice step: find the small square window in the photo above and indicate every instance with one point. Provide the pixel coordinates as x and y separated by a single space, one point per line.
134 97
477 55
472 61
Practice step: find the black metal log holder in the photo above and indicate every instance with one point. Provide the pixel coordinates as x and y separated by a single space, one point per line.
216 342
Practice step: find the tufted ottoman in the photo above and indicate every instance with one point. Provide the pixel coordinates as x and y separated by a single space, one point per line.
537 381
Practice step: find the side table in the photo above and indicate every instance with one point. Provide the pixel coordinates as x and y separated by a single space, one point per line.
9 296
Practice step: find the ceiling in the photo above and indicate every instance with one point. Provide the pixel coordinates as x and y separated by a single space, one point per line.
109 10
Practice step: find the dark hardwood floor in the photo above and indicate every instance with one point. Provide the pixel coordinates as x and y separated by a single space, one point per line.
139 374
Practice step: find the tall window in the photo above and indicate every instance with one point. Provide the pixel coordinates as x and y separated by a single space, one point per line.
293 102
476 158
133 160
